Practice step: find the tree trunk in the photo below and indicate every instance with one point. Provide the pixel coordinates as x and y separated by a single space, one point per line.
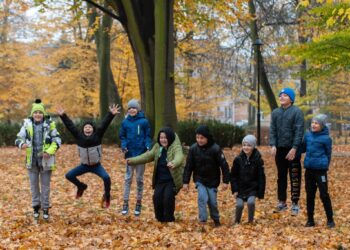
264 79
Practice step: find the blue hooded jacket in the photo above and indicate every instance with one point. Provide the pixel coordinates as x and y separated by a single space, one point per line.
318 148
135 135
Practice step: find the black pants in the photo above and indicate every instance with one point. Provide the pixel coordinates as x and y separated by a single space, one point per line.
164 201
314 179
283 167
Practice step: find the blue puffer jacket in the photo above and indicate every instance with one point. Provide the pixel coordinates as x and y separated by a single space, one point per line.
135 135
318 148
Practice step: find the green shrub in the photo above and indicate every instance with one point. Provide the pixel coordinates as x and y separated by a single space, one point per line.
8 133
226 135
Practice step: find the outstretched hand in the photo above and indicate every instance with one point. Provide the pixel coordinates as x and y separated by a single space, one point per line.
114 109
60 110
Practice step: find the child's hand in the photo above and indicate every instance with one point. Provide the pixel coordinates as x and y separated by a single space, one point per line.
60 110
124 150
24 146
224 186
170 165
185 187
114 109
46 156
235 194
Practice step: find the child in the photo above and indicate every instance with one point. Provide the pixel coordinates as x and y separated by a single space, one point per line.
167 172
247 178
135 136
39 137
205 159
318 147
286 134
89 141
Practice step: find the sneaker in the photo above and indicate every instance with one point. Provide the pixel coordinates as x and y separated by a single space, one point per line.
217 223
36 212
125 209
106 201
330 224
281 207
310 223
80 191
137 211
295 209
46 215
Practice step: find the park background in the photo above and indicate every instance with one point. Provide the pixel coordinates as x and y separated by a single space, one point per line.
188 61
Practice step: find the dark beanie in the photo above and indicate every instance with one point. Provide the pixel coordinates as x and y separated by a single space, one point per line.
169 133
204 130
88 122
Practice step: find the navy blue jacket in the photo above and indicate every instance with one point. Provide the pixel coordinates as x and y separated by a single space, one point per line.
135 135
318 148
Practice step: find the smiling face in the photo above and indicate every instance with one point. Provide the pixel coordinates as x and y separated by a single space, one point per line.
285 100
38 116
247 148
201 140
315 126
88 129
132 111
163 140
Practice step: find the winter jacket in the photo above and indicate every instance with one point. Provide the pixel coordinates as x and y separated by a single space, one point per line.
51 141
287 127
174 155
248 176
135 135
89 147
205 163
318 148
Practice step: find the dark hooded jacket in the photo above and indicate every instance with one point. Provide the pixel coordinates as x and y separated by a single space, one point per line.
90 150
206 163
248 176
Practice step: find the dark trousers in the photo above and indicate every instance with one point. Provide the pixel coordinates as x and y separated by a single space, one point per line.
314 179
164 201
83 169
283 168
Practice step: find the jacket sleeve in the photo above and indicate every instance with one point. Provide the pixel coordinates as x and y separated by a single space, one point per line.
234 175
299 129
329 150
21 136
70 125
273 130
146 157
262 180
178 156
104 124
188 167
224 167
122 136
55 139
147 131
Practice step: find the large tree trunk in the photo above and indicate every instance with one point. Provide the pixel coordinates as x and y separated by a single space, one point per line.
264 79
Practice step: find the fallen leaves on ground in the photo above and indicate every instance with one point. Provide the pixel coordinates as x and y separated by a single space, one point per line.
82 224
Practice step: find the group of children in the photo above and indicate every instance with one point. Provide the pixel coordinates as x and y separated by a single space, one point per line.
205 162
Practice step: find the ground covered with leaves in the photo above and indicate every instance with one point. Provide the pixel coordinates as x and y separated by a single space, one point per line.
82 224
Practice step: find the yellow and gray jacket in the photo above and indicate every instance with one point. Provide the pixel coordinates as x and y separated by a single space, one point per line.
51 142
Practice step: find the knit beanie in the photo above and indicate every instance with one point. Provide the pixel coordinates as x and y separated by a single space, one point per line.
250 139
320 119
88 122
133 103
38 106
289 92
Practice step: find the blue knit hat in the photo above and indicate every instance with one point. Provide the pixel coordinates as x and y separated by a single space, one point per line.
289 92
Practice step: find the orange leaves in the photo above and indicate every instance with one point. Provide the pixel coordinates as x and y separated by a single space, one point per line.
83 224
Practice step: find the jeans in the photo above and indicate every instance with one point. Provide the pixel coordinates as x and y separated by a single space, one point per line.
140 170
207 195
314 179
40 196
164 201
83 169
283 167
240 206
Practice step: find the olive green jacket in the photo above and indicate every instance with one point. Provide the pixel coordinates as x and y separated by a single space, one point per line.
174 155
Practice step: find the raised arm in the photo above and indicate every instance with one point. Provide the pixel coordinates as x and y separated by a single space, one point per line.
67 122
113 110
